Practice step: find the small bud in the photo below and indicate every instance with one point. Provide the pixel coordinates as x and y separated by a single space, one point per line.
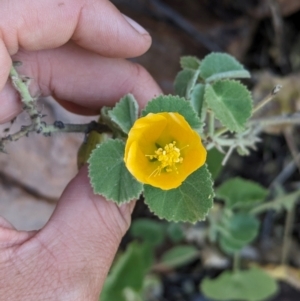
59 124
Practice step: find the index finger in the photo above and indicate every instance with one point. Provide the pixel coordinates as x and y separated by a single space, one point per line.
94 25
41 24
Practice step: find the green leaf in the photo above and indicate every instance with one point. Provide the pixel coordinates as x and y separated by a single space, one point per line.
106 119
169 103
125 112
127 272
189 202
286 202
189 62
197 98
214 162
239 230
175 232
86 148
217 66
149 230
230 245
182 82
243 227
179 256
240 193
109 175
231 102
249 285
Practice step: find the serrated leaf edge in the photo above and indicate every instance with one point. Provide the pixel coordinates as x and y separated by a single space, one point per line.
102 194
118 104
183 220
251 103
195 115
223 54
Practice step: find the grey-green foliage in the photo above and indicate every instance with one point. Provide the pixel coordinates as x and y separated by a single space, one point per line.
231 103
128 272
210 83
150 231
169 103
125 112
217 66
179 255
238 231
239 193
109 175
190 202
249 285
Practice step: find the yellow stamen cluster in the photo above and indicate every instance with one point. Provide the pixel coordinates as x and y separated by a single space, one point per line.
168 157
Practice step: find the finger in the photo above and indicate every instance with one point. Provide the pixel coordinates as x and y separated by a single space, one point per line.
80 77
5 63
87 225
94 25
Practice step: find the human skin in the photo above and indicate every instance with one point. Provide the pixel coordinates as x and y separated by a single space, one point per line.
74 50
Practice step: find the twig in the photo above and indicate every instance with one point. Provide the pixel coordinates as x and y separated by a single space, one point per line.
292 146
289 221
267 99
40 127
57 127
278 24
181 22
293 119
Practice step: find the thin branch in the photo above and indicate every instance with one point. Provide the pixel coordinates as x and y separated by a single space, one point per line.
163 9
278 24
267 99
293 119
37 125
289 221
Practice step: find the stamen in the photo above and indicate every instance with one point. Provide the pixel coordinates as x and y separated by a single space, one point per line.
168 157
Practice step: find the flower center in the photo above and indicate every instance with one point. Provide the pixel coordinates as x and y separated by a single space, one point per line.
168 157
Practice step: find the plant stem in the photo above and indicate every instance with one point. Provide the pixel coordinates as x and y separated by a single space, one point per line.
286 236
37 125
221 131
21 85
211 124
276 120
267 99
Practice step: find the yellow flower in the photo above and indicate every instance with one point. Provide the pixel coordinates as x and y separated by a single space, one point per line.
162 150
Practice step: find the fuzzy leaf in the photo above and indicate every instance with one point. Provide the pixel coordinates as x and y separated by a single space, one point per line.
175 232
189 62
189 202
230 245
217 66
178 256
197 98
169 103
240 230
249 285
214 162
286 202
182 82
149 230
109 175
240 193
125 112
231 102
127 272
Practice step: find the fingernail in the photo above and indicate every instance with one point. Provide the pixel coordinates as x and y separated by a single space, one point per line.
136 26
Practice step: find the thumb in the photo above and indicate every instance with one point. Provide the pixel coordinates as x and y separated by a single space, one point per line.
86 225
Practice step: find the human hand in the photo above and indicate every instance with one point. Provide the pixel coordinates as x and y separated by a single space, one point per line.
74 51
